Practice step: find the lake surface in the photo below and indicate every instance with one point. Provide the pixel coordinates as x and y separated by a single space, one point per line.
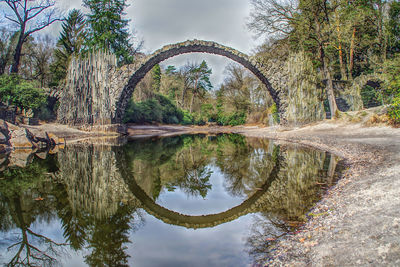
191 200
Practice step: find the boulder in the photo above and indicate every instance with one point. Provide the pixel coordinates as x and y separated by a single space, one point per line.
52 139
20 158
19 139
38 137
42 155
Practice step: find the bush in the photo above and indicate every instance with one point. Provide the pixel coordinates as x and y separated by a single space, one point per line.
236 118
158 109
394 110
187 118
23 94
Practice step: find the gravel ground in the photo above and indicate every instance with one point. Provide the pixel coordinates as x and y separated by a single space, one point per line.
360 221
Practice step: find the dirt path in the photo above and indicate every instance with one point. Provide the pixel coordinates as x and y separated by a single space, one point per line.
360 221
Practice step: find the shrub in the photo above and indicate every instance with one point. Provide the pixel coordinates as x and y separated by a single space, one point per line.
23 94
158 109
394 110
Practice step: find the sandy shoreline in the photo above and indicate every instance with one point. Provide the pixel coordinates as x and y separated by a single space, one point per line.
360 225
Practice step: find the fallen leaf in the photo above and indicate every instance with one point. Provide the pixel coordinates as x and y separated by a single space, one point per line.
39 199
302 240
270 239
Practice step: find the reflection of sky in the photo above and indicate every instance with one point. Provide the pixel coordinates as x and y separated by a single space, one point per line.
216 201
160 244
52 230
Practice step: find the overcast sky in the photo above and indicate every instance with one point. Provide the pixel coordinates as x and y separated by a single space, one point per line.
162 22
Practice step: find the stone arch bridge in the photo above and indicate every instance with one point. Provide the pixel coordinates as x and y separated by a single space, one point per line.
97 91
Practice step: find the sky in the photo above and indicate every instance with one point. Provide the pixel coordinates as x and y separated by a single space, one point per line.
162 22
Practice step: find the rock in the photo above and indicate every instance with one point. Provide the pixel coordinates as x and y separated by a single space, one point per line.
41 155
3 138
39 137
52 139
20 140
20 158
3 149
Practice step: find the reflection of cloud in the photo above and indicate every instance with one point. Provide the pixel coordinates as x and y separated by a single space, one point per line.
166 245
217 199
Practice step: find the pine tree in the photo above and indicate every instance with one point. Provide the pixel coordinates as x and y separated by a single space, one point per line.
70 42
107 29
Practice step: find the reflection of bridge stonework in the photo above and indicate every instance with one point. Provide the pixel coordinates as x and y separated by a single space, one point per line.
97 92
98 178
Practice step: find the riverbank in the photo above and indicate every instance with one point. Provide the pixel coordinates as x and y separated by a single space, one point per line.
357 223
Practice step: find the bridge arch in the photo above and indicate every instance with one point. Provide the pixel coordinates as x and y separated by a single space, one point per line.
190 46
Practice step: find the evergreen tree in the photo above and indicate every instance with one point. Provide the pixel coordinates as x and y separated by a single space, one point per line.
107 29
69 43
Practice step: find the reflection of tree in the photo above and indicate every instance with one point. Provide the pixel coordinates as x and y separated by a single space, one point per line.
263 234
244 165
18 190
294 191
108 238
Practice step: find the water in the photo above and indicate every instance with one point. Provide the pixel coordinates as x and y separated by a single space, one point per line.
191 200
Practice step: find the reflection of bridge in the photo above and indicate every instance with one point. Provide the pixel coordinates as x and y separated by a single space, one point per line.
253 204
98 178
104 93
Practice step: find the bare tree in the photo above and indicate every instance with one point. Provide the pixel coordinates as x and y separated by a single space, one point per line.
272 17
23 13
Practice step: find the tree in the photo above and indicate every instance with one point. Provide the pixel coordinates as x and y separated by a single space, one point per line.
7 44
23 13
42 58
307 25
70 42
199 76
107 28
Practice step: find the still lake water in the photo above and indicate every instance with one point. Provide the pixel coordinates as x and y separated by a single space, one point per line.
190 200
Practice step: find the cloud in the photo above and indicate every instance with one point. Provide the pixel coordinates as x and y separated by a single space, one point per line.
162 22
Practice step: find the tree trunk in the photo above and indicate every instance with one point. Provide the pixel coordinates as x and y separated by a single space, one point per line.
329 88
18 51
191 104
327 74
342 67
350 70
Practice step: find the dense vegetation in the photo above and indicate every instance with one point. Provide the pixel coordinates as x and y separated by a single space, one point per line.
344 40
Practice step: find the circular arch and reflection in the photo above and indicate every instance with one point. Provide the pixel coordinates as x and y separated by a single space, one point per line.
250 205
191 46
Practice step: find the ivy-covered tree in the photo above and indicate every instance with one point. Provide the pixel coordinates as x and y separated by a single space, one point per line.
107 28
70 42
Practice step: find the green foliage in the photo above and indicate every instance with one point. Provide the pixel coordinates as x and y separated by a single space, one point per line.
108 30
70 42
394 110
233 119
275 113
370 96
187 118
394 27
23 94
156 71
158 109
392 75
